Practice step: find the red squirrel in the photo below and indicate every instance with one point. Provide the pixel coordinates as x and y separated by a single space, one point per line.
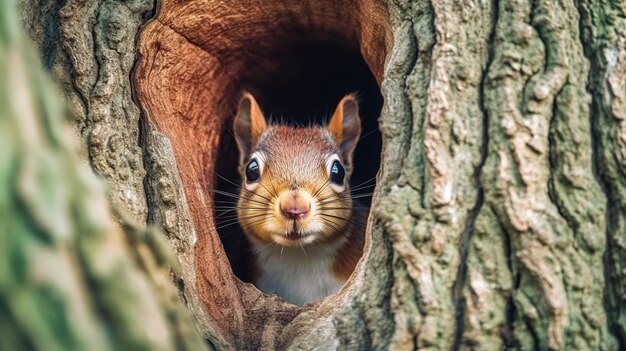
295 205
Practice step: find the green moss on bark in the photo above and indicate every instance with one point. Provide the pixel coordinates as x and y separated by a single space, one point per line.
603 24
70 278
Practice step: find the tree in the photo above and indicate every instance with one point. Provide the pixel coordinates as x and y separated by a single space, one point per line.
71 277
498 218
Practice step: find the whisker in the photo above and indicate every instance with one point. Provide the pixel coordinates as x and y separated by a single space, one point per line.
363 183
255 222
257 250
227 222
331 224
321 188
335 200
254 215
226 179
266 189
333 216
222 226
362 187
367 134
247 210
222 207
223 216
303 250
257 194
328 197
252 192
347 220
358 196
237 196
225 202
215 207
223 213
227 193
246 190
236 219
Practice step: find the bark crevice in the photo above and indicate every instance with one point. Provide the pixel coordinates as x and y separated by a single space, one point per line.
508 329
599 41
461 277
569 218
461 280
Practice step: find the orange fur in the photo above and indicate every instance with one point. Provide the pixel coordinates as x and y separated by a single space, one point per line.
293 204
349 255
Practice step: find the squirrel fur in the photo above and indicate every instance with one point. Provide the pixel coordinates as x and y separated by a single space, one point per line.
295 205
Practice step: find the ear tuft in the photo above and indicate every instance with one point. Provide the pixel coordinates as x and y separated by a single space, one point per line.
345 127
248 126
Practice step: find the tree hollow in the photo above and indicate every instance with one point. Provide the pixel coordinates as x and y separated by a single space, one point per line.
298 59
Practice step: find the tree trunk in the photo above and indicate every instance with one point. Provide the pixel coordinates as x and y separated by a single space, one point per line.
71 277
499 217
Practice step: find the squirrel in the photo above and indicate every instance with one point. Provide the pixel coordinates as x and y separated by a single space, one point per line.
295 205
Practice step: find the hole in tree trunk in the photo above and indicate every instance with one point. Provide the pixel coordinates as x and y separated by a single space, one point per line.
299 59
303 85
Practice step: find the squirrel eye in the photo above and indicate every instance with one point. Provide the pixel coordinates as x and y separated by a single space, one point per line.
337 173
253 172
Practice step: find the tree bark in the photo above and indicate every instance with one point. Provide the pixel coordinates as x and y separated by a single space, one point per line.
72 276
499 215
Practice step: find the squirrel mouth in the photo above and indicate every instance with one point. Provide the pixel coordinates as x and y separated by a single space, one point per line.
293 238
293 235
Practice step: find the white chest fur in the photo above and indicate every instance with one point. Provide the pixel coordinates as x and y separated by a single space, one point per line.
296 275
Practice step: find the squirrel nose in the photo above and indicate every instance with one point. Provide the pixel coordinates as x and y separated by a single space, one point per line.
294 213
294 206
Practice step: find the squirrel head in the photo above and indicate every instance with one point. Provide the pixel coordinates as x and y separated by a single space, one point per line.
295 180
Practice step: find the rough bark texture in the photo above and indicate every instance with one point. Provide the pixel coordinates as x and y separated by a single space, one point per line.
603 28
543 205
71 277
500 214
89 47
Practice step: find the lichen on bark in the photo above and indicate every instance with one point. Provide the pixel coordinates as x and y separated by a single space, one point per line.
89 48
72 277
428 212
603 24
538 181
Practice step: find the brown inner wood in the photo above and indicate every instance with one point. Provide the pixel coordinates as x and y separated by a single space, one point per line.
195 59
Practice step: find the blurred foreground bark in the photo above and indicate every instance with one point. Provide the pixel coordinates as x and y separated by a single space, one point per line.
71 277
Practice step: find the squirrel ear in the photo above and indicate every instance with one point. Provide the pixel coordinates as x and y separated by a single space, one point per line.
249 125
345 127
